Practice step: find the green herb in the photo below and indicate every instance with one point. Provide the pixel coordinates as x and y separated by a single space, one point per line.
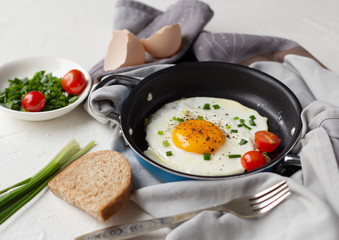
178 119
165 143
228 126
160 133
234 156
242 141
248 127
240 125
216 106
27 189
169 153
47 84
207 156
207 106
252 117
252 123
235 118
200 117
234 130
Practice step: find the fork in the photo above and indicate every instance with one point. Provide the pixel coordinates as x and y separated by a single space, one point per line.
244 207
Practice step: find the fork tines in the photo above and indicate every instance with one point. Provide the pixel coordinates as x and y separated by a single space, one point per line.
270 197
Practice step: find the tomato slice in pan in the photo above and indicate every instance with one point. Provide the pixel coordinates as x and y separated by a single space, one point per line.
266 141
253 160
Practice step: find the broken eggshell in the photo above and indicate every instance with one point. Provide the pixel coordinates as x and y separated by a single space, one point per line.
124 50
165 42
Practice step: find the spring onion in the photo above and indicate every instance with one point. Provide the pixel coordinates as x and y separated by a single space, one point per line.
216 106
234 155
160 133
24 191
165 143
207 156
242 141
169 153
234 130
207 106
200 117
178 119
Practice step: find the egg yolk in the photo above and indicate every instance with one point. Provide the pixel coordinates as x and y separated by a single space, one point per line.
198 136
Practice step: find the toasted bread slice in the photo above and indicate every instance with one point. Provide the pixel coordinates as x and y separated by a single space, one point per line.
98 182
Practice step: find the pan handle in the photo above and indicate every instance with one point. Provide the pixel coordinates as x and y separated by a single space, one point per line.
112 79
290 164
109 80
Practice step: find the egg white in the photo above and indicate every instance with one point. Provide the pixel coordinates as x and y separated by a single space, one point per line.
192 108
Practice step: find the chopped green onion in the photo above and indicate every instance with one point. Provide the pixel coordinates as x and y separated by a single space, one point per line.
252 117
206 106
200 117
234 130
239 125
242 141
207 156
234 156
178 119
216 106
252 123
169 153
228 126
160 133
241 120
165 143
235 118
249 128
73 99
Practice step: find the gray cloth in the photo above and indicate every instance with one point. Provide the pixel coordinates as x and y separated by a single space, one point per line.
312 211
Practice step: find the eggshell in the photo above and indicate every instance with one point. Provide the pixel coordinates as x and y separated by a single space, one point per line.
124 50
165 42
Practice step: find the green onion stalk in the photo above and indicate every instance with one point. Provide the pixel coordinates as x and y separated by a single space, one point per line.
25 190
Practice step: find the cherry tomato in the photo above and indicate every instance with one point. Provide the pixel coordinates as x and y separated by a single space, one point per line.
74 82
253 160
266 141
34 101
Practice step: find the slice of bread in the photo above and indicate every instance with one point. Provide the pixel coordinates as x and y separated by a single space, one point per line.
98 182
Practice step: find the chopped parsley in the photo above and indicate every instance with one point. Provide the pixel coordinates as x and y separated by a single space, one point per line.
207 106
207 156
165 143
216 106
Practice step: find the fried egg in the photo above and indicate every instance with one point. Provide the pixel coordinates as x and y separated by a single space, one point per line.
202 135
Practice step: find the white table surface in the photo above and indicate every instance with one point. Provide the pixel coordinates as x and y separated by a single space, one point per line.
80 30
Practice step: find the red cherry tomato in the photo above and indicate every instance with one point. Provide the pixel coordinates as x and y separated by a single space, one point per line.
33 101
253 160
74 82
266 141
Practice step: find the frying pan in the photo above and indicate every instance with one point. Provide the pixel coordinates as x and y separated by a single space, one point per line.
250 87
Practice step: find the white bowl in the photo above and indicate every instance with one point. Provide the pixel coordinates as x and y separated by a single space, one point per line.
26 67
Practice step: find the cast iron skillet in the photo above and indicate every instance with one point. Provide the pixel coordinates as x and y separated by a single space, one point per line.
248 86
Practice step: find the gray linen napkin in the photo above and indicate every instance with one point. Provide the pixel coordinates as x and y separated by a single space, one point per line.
312 211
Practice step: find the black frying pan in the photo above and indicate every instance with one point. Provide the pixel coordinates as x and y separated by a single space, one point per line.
248 86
